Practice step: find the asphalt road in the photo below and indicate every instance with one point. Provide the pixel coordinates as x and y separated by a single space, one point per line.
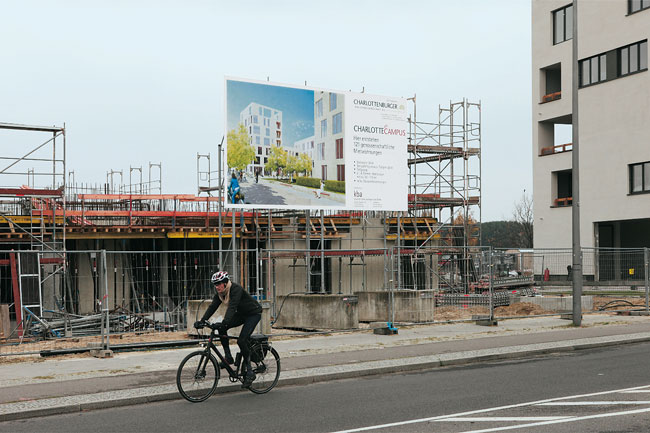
545 394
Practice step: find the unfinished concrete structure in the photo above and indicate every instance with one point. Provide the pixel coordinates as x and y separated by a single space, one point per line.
152 253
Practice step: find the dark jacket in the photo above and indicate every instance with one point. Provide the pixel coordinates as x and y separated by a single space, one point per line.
241 302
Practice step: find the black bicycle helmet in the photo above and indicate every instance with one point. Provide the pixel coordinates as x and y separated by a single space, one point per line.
220 277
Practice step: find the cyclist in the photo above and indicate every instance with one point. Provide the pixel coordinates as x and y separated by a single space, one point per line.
234 187
243 309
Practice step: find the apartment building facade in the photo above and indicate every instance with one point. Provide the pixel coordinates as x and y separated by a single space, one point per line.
328 156
614 122
264 127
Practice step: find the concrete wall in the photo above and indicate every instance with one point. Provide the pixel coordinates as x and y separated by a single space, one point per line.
410 306
318 312
561 303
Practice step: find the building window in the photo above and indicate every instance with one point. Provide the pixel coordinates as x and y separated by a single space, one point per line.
267 112
323 127
332 101
257 139
337 123
339 148
552 76
640 177
563 24
323 172
564 188
268 131
319 108
633 58
256 129
255 119
593 70
340 172
259 150
267 141
637 5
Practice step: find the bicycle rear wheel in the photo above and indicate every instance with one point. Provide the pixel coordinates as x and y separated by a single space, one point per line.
197 376
267 372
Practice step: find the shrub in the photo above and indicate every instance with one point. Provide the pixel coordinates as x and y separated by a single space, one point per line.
308 181
335 185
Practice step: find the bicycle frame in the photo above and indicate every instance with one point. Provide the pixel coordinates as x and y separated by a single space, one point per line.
233 373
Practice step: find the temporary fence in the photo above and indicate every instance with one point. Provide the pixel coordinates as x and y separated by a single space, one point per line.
50 295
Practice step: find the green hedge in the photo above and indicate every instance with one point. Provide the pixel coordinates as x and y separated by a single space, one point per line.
335 185
308 181
313 182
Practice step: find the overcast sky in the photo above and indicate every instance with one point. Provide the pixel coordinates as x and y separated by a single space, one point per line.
143 81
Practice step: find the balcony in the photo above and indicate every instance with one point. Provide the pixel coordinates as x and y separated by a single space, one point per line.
560 148
551 97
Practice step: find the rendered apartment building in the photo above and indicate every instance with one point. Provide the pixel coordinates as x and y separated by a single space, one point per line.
264 127
329 162
307 146
614 122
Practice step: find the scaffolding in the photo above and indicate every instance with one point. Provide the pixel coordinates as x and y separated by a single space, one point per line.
444 199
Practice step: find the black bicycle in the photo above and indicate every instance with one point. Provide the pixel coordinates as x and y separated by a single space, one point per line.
198 374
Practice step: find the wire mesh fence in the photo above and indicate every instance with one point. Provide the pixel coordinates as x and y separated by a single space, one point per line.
51 295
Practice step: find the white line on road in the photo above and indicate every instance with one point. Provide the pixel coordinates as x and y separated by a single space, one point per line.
455 415
572 419
503 418
591 403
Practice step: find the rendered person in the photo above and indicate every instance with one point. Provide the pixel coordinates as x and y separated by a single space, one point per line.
243 309
233 188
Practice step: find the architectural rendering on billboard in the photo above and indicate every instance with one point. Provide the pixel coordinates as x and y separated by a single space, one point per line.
307 148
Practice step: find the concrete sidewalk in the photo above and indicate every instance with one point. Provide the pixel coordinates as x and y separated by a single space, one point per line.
41 387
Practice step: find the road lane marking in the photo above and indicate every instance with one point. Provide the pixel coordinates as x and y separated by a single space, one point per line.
492 409
591 403
571 419
502 418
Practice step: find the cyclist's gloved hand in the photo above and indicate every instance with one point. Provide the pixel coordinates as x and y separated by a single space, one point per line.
199 324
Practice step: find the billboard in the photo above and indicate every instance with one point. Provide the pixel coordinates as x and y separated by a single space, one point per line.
307 148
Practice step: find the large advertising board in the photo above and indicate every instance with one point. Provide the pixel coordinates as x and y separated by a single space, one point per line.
308 148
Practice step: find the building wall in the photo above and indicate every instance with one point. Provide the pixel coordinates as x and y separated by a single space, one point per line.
613 122
326 138
267 118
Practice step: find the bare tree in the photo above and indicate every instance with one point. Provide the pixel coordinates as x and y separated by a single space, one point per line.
523 216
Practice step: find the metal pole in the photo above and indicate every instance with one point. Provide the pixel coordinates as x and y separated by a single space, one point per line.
491 286
575 159
647 277
221 184
322 253
104 277
308 250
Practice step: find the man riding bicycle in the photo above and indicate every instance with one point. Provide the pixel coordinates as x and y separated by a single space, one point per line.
242 309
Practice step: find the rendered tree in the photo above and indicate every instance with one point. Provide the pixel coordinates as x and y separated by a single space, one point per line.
240 152
278 159
304 164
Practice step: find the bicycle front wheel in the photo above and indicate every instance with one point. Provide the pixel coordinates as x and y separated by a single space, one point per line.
267 372
197 376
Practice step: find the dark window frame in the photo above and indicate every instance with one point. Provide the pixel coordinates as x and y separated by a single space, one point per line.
601 61
645 189
638 47
563 11
643 5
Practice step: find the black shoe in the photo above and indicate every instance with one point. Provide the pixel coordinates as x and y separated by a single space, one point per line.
248 380
228 359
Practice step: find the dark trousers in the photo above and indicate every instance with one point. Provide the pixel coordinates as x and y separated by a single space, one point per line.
249 322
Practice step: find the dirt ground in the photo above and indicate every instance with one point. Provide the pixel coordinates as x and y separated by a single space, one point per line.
442 314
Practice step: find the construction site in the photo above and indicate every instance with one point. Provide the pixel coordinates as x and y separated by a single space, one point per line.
80 259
